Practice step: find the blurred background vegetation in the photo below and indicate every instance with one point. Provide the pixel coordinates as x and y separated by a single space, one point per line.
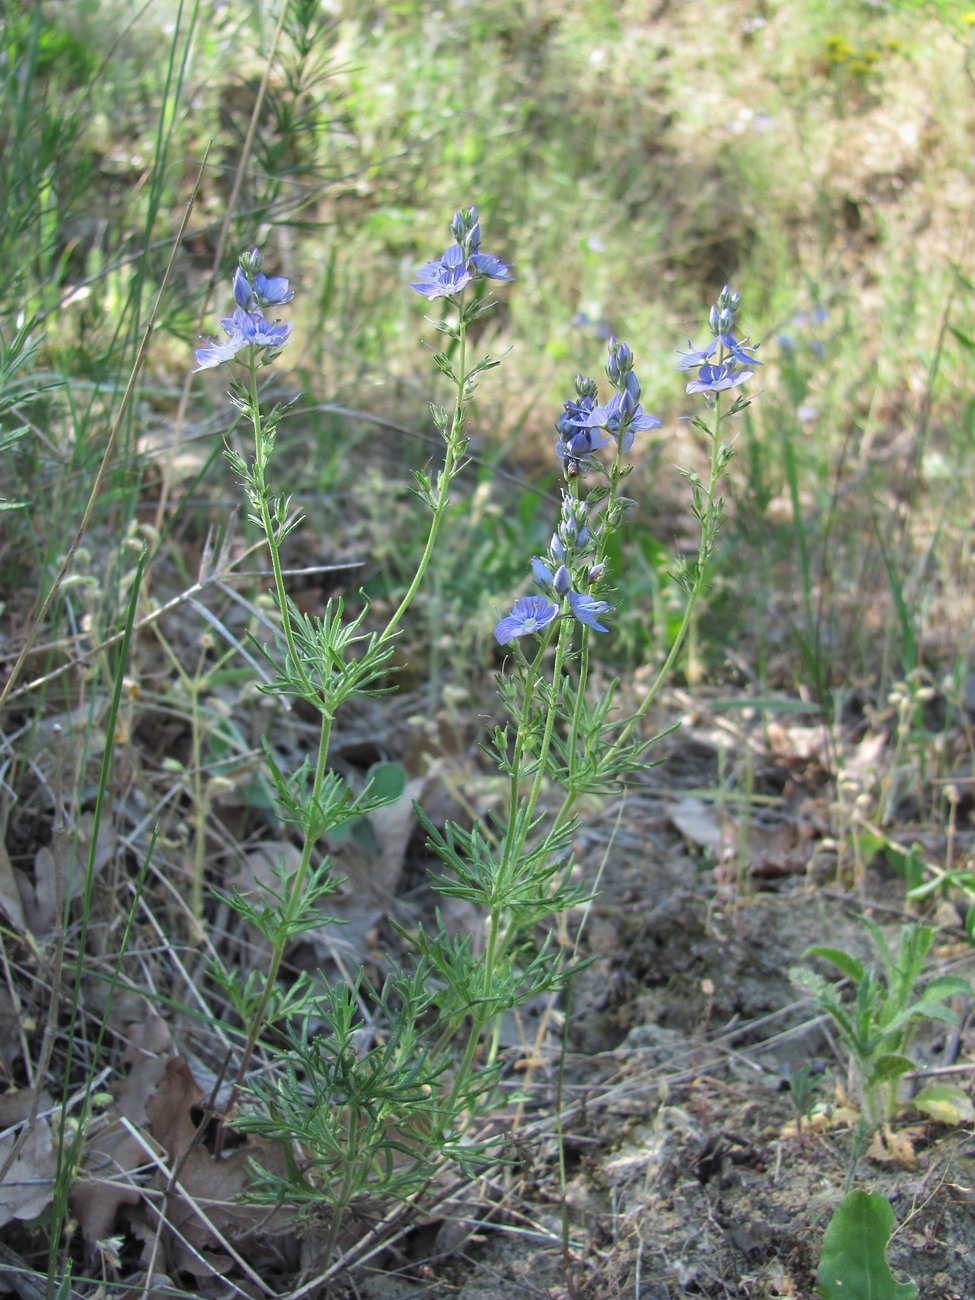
628 159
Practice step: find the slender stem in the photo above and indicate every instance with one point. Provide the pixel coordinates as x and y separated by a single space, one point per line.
297 883
709 527
522 729
261 458
456 446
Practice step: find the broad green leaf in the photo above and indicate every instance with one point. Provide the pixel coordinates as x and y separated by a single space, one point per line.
921 1011
385 783
887 1067
945 986
853 1265
848 964
945 1103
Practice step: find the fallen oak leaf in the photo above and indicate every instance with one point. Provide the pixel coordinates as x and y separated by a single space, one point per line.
113 1155
169 1109
181 1206
207 1211
28 1185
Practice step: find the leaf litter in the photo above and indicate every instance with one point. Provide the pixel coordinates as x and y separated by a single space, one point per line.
686 1169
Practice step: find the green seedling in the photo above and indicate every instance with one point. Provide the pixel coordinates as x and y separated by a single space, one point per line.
878 1024
804 1084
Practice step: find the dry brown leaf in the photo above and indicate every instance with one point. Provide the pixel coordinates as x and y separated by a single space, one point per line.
770 847
41 909
699 822
16 1105
29 1182
10 900
895 1148
863 762
101 1187
798 743
158 1287
170 1106
392 824
10 1027
112 1153
204 1210
371 880
211 1213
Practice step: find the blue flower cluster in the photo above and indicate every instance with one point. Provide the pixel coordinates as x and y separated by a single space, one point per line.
248 327
570 572
731 354
565 575
584 427
461 263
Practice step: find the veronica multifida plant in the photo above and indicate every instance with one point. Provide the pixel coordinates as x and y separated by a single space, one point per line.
390 1109
373 1107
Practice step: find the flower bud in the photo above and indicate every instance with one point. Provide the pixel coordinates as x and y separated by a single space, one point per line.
541 572
562 582
620 362
466 230
250 262
243 292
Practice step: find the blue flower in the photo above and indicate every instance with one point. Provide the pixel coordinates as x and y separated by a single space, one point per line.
541 572
697 357
443 278
215 354
248 327
624 416
620 361
243 329
261 332
587 610
739 351
579 437
529 614
253 289
715 379
461 263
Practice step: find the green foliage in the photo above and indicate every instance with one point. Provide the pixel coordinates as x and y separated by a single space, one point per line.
803 1087
889 1003
644 184
853 1265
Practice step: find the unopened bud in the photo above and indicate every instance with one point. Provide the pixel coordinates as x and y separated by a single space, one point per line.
620 362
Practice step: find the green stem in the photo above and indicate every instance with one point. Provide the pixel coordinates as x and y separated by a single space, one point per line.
456 446
261 458
290 910
709 528
297 884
